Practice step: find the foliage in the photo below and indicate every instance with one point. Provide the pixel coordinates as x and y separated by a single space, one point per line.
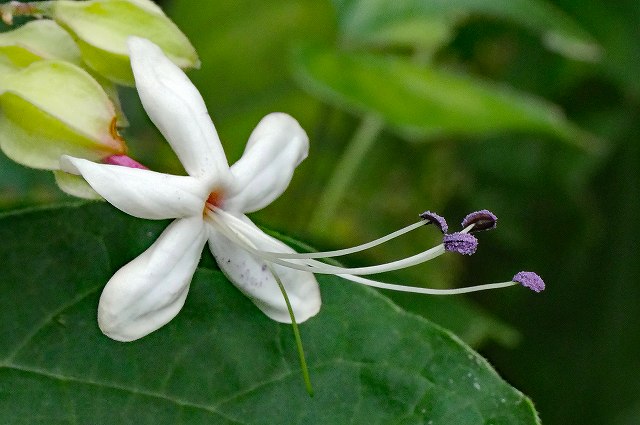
566 212
220 361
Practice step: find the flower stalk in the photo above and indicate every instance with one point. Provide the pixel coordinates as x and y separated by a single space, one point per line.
343 173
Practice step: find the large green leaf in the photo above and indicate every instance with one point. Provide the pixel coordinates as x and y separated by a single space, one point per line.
220 360
426 23
424 101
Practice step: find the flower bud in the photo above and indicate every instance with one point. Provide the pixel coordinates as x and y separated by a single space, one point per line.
101 28
51 108
34 41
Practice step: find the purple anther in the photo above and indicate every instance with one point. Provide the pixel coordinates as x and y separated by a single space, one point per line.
462 243
530 280
481 220
124 161
440 222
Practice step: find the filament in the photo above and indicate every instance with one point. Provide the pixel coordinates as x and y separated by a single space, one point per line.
315 266
237 233
428 291
328 254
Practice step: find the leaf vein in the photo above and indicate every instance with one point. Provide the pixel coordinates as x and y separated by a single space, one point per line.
48 319
133 391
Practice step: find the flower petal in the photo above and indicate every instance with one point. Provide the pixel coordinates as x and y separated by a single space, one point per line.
177 109
253 277
276 147
141 193
149 291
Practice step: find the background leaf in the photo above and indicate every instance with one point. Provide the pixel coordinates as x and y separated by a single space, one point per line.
424 101
220 360
425 24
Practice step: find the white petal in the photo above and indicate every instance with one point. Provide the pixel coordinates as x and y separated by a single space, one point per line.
141 193
149 291
276 147
253 277
177 109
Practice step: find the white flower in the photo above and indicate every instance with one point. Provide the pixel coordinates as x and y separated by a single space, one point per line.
209 205
149 291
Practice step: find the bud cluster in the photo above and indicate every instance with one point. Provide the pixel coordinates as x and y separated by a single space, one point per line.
58 78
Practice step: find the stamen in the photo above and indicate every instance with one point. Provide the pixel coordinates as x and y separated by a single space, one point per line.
234 225
437 220
327 254
462 243
235 235
481 220
530 280
428 291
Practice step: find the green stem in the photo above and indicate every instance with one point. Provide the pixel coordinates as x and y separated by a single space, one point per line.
296 334
343 173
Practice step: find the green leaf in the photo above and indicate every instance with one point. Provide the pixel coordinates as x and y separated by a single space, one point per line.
428 23
220 360
421 101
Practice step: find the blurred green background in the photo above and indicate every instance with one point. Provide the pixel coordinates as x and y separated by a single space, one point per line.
527 108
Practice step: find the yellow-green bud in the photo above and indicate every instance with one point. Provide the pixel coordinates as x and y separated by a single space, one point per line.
34 41
51 108
101 29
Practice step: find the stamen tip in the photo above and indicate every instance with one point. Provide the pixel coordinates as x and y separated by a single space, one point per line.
530 280
481 220
462 243
437 220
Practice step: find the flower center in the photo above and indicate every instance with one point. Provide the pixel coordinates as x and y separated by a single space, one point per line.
215 200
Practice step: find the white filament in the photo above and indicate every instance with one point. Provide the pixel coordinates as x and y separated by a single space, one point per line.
237 231
429 291
314 266
327 254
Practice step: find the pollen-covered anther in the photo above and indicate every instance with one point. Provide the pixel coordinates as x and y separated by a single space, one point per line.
481 220
438 221
530 280
462 243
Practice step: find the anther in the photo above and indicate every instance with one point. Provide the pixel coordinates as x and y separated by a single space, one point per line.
462 243
481 220
529 280
438 221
